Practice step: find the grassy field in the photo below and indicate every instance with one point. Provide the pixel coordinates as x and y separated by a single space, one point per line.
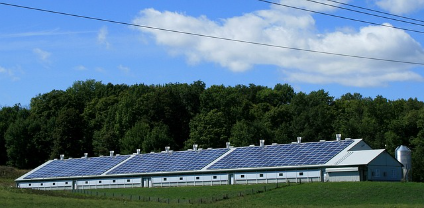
362 194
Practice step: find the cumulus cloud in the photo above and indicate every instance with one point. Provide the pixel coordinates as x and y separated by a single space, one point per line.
291 29
44 56
102 37
401 6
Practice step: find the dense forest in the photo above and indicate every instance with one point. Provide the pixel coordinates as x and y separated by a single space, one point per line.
94 117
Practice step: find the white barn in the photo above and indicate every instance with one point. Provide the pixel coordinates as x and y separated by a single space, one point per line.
324 161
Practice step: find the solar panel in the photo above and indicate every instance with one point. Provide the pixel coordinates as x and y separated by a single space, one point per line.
77 167
167 162
313 153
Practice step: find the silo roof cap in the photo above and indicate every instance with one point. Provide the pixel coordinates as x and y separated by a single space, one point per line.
403 148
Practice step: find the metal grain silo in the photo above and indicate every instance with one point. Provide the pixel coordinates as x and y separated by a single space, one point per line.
403 155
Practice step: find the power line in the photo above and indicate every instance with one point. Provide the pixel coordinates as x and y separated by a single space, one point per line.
373 10
366 13
215 37
341 17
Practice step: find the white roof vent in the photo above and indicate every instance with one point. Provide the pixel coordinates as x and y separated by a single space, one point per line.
252 145
167 149
227 145
62 157
322 140
274 144
138 151
85 155
111 153
261 143
299 140
195 146
347 139
338 137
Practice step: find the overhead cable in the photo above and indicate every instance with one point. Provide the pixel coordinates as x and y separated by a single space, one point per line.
366 13
215 37
373 10
341 17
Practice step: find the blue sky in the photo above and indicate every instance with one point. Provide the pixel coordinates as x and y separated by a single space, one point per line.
41 52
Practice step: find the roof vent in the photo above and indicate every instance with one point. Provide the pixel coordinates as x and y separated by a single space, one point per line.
261 143
274 144
338 137
111 153
347 139
167 149
227 145
322 140
86 155
252 145
138 151
209 148
62 157
299 140
195 146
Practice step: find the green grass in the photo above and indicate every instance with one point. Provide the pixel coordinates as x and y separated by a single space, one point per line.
312 195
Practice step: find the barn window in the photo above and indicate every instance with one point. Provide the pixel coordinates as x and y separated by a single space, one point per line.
197 178
377 172
181 178
241 176
301 173
280 174
164 179
114 181
29 184
41 184
86 182
128 180
54 184
261 175
66 182
215 177
100 181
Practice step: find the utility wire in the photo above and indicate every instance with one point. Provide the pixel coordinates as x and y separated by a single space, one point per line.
373 10
341 17
366 13
215 37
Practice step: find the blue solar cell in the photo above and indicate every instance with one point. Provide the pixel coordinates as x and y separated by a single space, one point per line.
77 167
165 162
313 153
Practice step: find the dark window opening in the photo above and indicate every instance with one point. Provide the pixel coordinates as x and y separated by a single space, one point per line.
100 181
181 178
29 184
54 184
301 173
164 179
86 182
280 174
66 182
242 176
128 180
215 177
41 184
261 175
197 178
114 181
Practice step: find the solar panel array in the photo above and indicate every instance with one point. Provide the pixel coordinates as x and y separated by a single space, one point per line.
77 167
166 162
313 153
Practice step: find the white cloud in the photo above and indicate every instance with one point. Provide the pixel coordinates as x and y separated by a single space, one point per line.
291 29
44 56
124 69
401 6
102 37
9 73
80 68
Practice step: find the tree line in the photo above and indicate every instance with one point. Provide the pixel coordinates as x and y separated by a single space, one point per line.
92 117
